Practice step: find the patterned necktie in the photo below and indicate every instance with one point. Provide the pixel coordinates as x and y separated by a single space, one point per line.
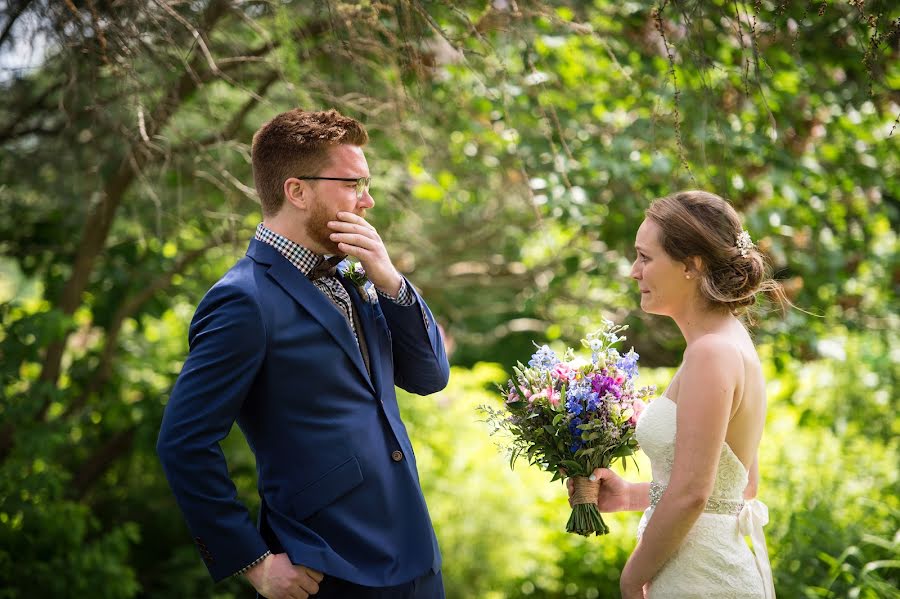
323 276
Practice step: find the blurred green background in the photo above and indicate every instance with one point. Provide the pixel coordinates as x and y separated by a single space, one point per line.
515 146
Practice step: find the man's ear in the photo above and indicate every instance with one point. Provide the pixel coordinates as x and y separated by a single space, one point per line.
297 192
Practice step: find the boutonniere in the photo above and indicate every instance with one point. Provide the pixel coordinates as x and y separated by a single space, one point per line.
356 274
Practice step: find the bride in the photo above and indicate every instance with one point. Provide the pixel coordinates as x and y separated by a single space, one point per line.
696 265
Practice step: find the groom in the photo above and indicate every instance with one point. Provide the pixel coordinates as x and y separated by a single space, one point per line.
305 360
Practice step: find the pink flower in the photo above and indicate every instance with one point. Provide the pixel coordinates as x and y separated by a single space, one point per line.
553 396
549 393
512 397
562 372
637 406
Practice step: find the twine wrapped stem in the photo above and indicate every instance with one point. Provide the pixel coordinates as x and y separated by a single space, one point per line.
586 491
586 519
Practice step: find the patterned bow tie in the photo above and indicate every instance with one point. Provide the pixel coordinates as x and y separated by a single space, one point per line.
325 268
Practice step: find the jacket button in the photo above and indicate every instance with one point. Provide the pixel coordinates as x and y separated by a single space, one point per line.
397 456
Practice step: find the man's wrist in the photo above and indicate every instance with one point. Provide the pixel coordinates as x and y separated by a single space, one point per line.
246 570
393 288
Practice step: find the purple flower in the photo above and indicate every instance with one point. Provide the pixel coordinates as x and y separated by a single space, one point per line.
603 384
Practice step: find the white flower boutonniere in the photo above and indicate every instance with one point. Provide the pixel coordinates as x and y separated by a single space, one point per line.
356 274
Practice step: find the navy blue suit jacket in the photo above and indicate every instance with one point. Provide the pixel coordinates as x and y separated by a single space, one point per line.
270 351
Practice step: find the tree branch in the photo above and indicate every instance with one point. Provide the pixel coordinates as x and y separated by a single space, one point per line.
237 120
100 461
14 15
9 132
128 309
100 219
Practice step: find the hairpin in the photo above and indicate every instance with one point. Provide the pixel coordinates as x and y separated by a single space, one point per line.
744 243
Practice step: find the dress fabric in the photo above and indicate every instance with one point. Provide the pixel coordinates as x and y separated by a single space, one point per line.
714 560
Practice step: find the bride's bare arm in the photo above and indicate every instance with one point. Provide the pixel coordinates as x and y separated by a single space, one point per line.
753 483
704 407
640 497
617 494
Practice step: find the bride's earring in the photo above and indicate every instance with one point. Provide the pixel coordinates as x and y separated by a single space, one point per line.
687 276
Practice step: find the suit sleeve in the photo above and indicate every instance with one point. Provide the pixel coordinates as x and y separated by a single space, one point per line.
420 361
227 347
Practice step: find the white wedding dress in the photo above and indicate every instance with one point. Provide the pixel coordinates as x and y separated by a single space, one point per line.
714 561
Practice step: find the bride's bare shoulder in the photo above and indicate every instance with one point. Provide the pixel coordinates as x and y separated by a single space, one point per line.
712 347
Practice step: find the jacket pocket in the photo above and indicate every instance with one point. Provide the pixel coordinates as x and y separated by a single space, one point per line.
329 487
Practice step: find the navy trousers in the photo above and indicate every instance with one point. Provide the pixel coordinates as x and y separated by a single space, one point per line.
427 586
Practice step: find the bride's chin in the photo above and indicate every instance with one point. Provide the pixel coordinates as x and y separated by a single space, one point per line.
647 307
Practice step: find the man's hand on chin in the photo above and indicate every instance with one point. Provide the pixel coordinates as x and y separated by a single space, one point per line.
277 578
356 237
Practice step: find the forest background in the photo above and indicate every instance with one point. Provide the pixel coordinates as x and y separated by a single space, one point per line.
514 148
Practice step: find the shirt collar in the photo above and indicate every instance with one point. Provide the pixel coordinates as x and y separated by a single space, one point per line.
305 260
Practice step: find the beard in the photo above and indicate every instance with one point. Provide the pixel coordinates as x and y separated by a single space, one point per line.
318 231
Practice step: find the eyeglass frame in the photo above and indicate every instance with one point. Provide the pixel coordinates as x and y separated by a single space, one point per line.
362 183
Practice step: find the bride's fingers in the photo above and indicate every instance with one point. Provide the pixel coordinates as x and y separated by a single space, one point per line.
601 474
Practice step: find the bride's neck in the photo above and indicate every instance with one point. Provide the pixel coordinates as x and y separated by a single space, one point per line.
696 322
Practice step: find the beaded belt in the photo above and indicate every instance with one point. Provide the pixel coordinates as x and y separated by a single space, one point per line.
714 505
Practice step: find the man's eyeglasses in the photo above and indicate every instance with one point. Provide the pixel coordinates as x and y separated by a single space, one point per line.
362 183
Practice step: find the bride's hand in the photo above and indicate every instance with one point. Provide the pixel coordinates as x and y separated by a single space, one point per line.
614 494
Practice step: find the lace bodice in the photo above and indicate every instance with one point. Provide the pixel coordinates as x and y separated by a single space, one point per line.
656 434
714 560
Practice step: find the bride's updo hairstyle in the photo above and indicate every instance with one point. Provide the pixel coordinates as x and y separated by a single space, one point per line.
701 224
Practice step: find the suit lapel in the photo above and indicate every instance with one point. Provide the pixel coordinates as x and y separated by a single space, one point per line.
366 322
314 301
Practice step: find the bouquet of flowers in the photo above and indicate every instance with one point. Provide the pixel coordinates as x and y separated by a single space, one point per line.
572 415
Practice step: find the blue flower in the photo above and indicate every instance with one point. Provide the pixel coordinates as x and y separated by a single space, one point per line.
573 427
544 358
575 446
628 364
574 406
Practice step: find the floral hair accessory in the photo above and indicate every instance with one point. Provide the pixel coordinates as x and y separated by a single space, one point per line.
744 243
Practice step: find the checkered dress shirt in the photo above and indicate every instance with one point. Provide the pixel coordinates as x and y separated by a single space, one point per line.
306 261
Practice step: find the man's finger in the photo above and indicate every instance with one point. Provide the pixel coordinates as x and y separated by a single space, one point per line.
350 217
345 227
308 584
361 254
314 574
360 241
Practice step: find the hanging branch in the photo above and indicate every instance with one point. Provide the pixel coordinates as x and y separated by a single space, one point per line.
682 153
17 10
